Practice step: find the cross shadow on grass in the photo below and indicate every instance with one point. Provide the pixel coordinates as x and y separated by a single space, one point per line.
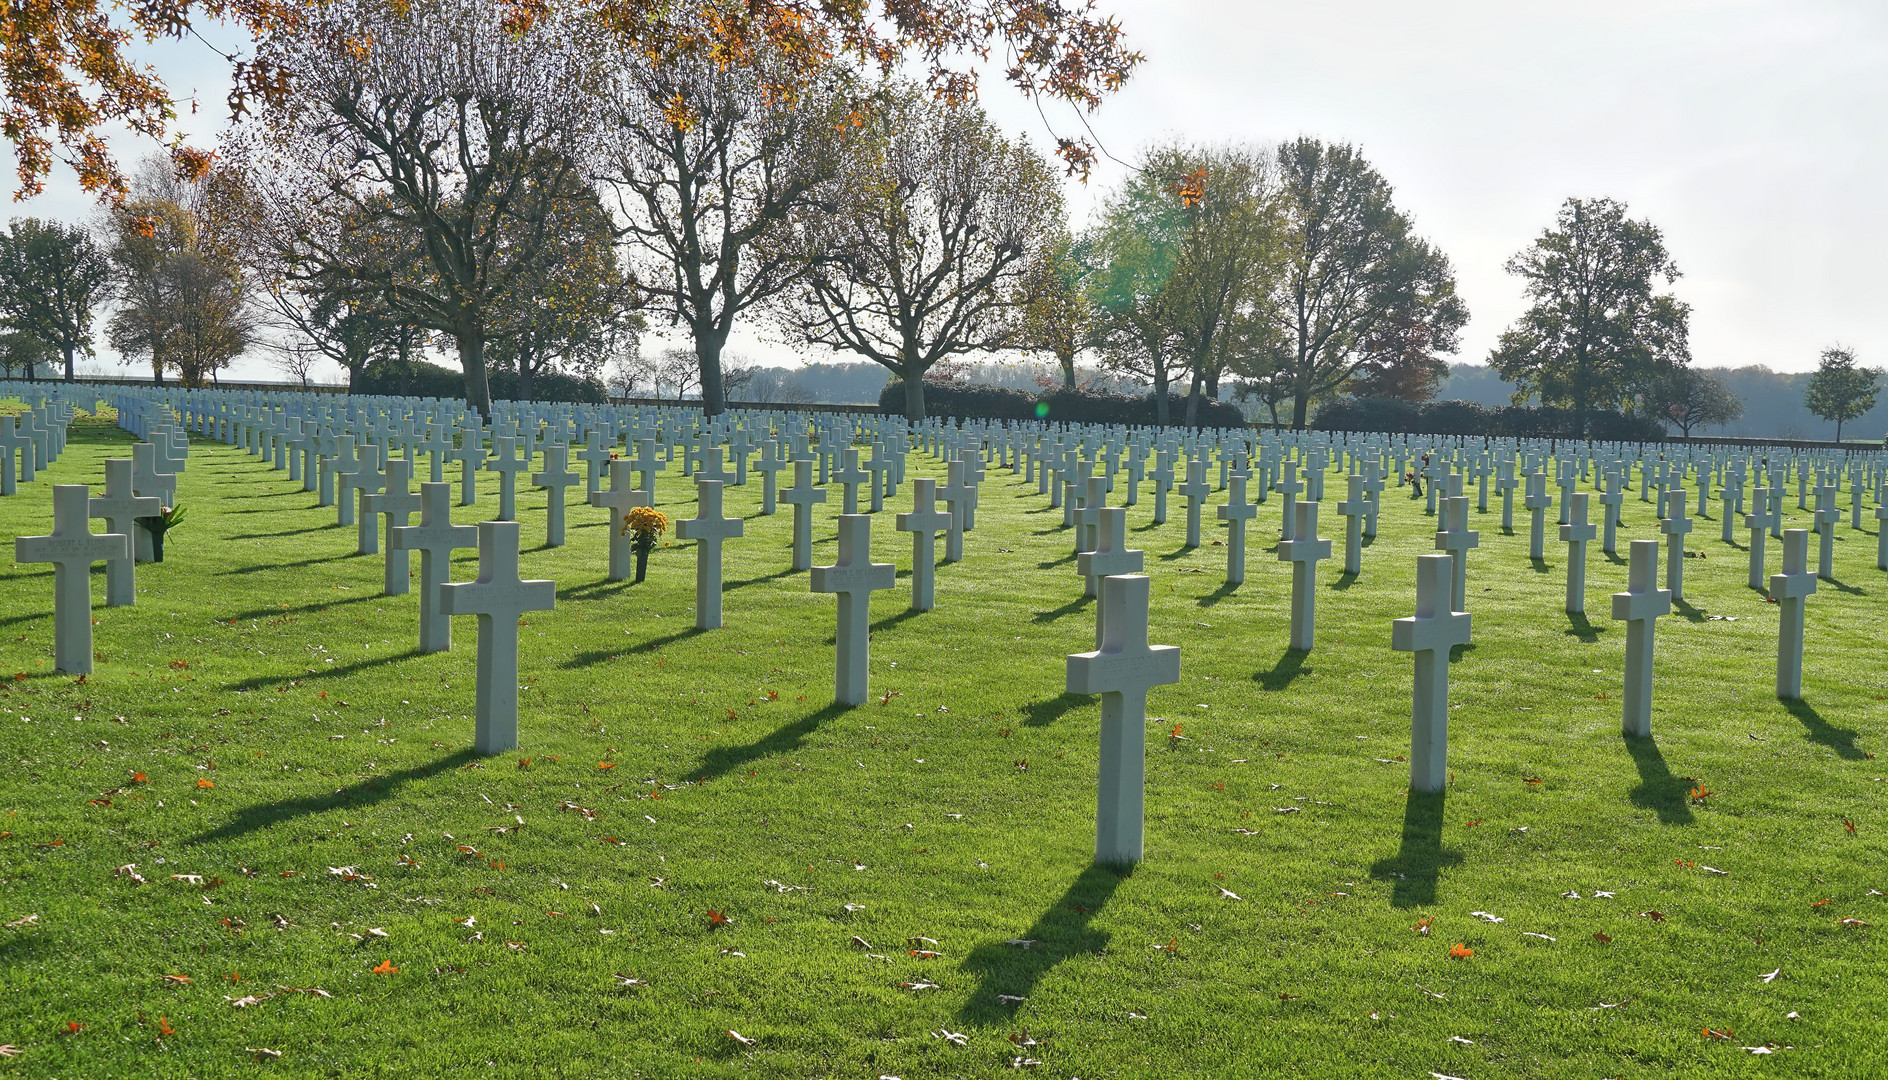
1841 740
1181 553
1290 666
263 567
1691 614
890 621
1061 932
1048 711
1070 557
286 532
595 589
1658 789
1539 566
1344 581
326 671
721 760
282 609
1225 589
1069 608
1149 527
264 815
745 582
1419 861
1579 627
1837 585
597 656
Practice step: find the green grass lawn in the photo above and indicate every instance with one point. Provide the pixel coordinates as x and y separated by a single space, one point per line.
294 784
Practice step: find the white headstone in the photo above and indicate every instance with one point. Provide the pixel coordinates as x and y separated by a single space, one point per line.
708 529
802 496
72 548
1430 634
435 538
1675 526
1122 671
1638 607
924 522
121 510
1576 534
622 497
554 479
1235 514
1790 589
499 598
853 578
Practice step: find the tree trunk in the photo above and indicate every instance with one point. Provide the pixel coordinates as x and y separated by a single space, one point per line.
714 395
1161 412
914 398
1300 407
1068 370
1193 399
478 389
524 375
68 349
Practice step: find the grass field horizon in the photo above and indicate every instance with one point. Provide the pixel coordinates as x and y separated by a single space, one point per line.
262 724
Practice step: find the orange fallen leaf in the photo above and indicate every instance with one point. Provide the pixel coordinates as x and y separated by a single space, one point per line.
73 1027
179 980
715 918
385 967
605 766
138 778
1710 1034
1461 951
164 1028
1603 939
1422 925
205 782
1849 825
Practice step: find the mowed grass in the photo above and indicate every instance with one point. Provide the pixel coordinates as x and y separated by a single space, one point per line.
666 772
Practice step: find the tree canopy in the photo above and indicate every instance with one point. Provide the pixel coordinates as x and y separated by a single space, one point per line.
1597 332
1841 389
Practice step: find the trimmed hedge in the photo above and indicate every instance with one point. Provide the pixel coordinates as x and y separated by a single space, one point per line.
418 379
421 379
1063 405
1469 418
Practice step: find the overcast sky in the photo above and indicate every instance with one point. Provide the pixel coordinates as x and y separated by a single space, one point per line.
1749 131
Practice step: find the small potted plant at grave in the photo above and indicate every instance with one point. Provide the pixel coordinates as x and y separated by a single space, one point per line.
647 524
167 516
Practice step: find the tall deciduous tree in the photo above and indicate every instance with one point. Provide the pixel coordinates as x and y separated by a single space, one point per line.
710 162
450 125
1597 330
938 219
1132 254
1057 317
1687 397
1355 284
1841 390
181 299
52 276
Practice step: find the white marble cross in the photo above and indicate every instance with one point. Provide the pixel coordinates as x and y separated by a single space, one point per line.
1110 558
1638 607
853 577
924 522
1758 521
435 538
802 496
554 479
1826 516
366 480
121 509
395 504
1196 489
507 464
1675 527
708 529
72 548
1537 503
16 455
1881 536
850 476
648 465
597 458
1576 534
1353 509
1505 483
957 496
770 463
622 497
1122 671
1235 514
499 598
1289 487
1430 634
1457 539
1610 501
1790 589
1304 552
1163 481
471 456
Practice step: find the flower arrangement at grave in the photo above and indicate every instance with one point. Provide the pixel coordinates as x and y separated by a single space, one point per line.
167 517
646 523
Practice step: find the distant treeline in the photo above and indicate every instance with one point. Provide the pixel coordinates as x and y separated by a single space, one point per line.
1474 418
1773 403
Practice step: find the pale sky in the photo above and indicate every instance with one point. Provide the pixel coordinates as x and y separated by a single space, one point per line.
1749 131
